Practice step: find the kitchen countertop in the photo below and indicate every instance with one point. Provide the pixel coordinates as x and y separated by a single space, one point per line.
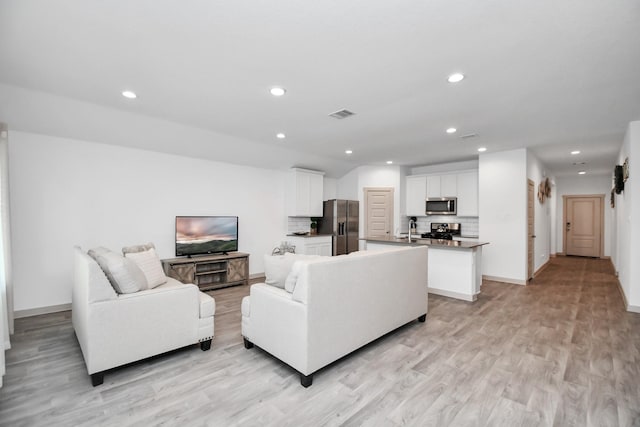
426 242
308 235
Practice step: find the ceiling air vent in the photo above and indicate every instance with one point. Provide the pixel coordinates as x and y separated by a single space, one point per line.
341 114
469 135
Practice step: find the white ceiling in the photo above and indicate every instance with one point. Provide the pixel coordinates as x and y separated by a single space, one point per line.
550 75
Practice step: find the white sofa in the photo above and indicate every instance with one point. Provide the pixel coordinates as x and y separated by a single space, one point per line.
116 329
338 305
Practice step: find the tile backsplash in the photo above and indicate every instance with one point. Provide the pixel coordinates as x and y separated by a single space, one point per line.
468 225
298 224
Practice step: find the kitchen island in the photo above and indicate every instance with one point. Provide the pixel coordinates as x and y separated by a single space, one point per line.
454 266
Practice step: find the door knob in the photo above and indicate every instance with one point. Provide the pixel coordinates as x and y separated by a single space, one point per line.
568 226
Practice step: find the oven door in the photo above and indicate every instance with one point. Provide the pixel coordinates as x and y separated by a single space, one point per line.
441 206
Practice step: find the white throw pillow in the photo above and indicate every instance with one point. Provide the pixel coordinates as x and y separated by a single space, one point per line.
292 278
123 274
149 263
300 260
276 269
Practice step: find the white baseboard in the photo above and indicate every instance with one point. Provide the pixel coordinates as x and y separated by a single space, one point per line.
18 314
633 308
450 294
504 280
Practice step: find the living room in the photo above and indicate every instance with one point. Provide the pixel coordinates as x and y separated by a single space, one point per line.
114 174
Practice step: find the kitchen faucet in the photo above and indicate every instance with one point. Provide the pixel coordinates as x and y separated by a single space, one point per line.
412 224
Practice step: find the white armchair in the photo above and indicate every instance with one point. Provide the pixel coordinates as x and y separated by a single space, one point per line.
116 329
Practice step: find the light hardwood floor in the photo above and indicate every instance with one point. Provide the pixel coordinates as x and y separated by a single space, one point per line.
561 351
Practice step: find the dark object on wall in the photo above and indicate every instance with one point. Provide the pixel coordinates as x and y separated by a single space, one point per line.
619 179
613 198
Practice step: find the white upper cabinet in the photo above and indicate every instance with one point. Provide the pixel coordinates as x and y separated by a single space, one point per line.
463 185
449 185
433 186
416 195
304 193
442 185
468 193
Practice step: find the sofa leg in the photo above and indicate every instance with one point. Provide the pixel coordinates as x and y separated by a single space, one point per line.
422 318
247 344
306 380
97 378
205 345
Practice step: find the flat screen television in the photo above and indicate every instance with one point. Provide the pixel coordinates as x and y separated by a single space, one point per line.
200 235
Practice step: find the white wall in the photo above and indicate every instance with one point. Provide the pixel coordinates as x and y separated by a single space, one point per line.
503 213
542 212
67 192
584 185
352 185
329 188
627 235
347 186
380 176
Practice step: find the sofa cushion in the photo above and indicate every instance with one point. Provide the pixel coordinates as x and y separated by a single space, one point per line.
207 305
292 277
276 269
149 263
123 274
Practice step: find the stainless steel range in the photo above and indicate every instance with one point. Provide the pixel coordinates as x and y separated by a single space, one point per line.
443 230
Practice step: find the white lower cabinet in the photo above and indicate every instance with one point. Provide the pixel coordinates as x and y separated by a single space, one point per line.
311 245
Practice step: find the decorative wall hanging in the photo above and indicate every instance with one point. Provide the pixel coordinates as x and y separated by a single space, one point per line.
619 180
544 190
613 198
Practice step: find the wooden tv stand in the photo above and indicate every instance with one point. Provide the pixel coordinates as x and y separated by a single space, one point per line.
210 271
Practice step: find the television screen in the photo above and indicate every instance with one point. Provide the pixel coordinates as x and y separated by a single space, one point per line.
196 235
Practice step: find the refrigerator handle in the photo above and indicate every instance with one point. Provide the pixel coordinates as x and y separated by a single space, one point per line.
341 229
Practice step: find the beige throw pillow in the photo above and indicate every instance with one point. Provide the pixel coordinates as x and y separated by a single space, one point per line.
149 263
123 274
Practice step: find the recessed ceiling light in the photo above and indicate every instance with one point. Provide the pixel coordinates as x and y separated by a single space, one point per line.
455 77
281 136
582 172
129 94
348 151
575 152
389 162
451 130
482 149
277 91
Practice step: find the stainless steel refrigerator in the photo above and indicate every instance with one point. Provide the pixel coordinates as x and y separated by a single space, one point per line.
341 218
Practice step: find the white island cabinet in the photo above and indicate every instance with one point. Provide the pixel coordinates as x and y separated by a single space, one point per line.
454 267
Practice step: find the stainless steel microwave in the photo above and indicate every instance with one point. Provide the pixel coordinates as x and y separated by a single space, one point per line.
442 206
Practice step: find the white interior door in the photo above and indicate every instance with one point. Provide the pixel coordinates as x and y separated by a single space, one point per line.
583 225
379 212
